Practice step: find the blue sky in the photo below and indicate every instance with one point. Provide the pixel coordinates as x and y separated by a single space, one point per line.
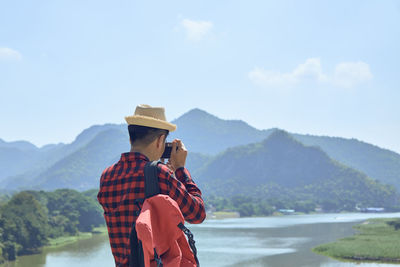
317 67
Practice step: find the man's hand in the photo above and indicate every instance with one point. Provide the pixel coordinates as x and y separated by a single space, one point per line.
178 156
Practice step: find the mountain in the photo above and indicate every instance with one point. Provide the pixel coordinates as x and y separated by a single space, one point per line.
95 149
196 161
82 169
19 157
14 161
376 162
207 134
80 141
21 145
22 164
281 166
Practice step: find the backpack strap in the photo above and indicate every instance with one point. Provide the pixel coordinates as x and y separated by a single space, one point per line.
136 257
151 186
192 245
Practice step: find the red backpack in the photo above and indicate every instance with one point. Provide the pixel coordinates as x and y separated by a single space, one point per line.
158 235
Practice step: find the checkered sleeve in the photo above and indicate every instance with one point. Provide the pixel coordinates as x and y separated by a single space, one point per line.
185 192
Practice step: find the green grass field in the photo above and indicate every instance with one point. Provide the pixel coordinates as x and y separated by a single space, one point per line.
65 240
375 241
223 215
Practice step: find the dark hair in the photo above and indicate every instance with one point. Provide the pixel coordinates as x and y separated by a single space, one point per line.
145 135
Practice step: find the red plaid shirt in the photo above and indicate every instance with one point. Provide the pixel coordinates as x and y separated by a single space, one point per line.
123 183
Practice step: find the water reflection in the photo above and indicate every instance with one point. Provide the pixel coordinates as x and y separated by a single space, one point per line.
283 241
93 252
282 246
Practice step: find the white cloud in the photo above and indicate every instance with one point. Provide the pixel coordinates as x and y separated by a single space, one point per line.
346 74
309 70
196 30
351 74
270 78
9 54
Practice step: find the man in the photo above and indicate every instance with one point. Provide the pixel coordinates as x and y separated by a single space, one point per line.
123 183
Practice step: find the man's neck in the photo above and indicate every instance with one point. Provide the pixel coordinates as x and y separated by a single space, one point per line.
143 151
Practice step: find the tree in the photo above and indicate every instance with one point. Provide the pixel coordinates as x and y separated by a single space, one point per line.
24 225
73 211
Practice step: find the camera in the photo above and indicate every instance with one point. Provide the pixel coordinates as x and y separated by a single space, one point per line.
167 151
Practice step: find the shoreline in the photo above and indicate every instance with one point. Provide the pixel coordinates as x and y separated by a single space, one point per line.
61 241
374 241
218 215
66 240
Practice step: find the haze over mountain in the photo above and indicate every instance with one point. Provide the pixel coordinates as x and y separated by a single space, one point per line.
21 145
77 165
19 168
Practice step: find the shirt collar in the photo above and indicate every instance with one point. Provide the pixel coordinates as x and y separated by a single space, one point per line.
132 156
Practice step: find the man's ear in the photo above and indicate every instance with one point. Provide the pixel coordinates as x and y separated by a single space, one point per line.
161 140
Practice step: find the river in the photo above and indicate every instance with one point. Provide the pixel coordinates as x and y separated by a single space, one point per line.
267 241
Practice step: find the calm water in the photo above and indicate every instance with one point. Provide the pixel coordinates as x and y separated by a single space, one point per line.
271 241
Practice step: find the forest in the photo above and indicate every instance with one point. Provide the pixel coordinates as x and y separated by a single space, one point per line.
30 218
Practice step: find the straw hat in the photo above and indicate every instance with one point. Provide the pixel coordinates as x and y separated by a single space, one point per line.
149 116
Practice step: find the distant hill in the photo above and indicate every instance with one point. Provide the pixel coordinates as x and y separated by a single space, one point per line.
21 145
207 134
281 166
80 141
378 163
81 170
15 161
21 161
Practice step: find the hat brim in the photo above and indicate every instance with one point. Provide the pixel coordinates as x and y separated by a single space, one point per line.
150 122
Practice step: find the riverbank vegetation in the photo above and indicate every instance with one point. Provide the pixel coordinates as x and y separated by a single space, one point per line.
253 205
377 240
248 206
33 219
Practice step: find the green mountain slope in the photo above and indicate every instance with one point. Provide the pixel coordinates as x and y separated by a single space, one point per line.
280 166
376 162
207 134
82 169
